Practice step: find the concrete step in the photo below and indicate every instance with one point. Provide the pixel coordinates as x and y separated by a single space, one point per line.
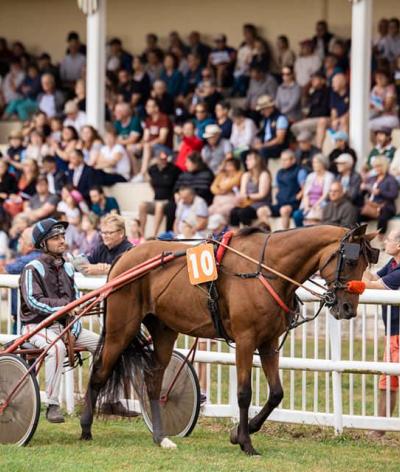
6 127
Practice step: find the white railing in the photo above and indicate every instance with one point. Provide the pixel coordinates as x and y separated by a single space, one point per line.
329 368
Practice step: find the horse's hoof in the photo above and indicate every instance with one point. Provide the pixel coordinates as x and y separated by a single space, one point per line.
234 435
86 436
167 444
250 451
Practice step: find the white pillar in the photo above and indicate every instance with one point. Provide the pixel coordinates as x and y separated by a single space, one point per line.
96 66
335 335
360 76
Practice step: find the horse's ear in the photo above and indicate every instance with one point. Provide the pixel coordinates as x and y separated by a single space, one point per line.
359 231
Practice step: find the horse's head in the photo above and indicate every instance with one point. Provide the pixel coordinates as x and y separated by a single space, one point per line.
347 263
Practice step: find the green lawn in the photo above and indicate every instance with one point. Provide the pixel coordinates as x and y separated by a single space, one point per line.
123 445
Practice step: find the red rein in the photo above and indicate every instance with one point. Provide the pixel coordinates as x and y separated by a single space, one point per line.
355 286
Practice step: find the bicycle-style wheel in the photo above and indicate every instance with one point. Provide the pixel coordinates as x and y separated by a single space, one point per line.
180 412
20 418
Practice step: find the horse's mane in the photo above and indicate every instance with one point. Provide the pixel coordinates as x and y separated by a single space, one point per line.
248 230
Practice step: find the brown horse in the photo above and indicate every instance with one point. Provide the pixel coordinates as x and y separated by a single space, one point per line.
167 304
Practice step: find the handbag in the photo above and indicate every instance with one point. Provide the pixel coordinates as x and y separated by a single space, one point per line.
371 209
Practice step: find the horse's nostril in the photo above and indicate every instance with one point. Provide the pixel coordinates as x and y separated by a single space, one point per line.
347 307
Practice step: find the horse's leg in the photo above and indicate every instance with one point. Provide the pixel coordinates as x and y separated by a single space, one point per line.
270 364
244 360
163 341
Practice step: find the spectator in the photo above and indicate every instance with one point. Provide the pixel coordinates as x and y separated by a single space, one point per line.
165 100
140 84
339 103
202 119
288 97
172 76
154 64
157 137
349 178
289 181
190 206
136 233
73 36
381 190
315 193
90 142
340 51
255 191
380 40
63 149
16 150
274 136
43 204
152 45
163 177
190 143
387 278
225 188
69 205
114 243
305 150
74 117
118 58
37 147
341 140
127 126
319 111
28 178
89 237
101 205
8 183
199 48
189 230
262 56
339 210
207 94
383 102
285 56
73 63
50 101
56 179
217 149
82 176
330 68
222 59
261 84
46 67
383 145
223 121
12 81
244 58
392 42
192 77
322 38
112 157
243 132
217 226
306 63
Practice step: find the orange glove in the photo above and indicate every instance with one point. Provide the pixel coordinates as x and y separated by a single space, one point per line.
355 286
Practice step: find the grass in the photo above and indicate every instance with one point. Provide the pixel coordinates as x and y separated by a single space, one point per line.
123 445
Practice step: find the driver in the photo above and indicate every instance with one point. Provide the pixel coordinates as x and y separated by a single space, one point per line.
46 285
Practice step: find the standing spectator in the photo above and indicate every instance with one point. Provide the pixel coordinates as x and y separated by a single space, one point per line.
255 191
261 83
285 56
305 151
274 135
222 59
73 63
73 36
73 116
199 48
243 132
43 204
101 205
50 101
339 210
349 178
380 40
315 193
172 76
190 143
223 121
217 149
383 145
244 58
163 177
322 38
288 97
289 181
306 63
383 102
392 42
118 58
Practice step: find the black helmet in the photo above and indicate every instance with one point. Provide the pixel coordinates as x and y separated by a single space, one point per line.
46 229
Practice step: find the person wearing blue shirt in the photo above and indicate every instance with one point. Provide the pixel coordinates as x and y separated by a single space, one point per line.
100 204
388 278
202 119
171 75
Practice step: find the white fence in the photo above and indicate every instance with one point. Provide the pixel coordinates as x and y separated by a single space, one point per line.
329 369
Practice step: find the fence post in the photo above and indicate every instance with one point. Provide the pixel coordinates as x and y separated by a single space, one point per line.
335 336
233 391
69 390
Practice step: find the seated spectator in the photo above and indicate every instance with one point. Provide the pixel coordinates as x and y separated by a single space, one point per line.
154 64
101 205
56 179
383 102
11 82
322 39
15 150
307 62
112 157
285 56
217 226
190 143
118 58
305 151
90 142
315 193
172 76
381 190
50 101
136 233
73 64
8 182
255 191
261 84
289 181
192 78
39 122
157 137
216 149
383 145
202 119
199 177
140 86
114 243
43 204
127 126
349 178
73 116
339 210
19 223
37 147
223 120
225 188
89 237
63 149
340 50
243 132
262 56
29 89
222 59
341 140
288 96
163 177
80 175
199 48
69 204
392 41
207 94
47 67
152 45
190 207
189 230
28 179
124 86
274 135
165 100
80 96
330 68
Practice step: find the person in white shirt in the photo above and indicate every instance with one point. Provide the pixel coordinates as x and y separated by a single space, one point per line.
307 63
12 81
72 65
243 131
74 117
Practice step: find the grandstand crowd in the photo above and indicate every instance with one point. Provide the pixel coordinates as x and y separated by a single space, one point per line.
225 136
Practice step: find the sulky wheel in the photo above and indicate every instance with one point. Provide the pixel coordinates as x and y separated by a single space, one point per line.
19 419
180 412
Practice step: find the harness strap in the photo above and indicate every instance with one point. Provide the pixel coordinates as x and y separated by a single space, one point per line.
273 293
